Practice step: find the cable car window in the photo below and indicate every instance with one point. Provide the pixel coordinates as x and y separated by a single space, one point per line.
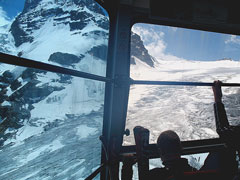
231 101
71 34
186 110
49 124
162 53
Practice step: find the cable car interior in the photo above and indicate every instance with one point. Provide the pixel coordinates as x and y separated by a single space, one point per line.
112 153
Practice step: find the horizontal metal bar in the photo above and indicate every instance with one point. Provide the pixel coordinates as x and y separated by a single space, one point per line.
19 61
176 83
189 147
96 172
203 149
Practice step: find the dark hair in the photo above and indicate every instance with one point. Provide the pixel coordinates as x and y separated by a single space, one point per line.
169 145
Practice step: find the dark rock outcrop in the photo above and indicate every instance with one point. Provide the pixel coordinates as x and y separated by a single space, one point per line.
139 51
65 59
33 17
99 52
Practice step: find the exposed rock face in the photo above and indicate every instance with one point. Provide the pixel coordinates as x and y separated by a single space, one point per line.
20 93
65 58
26 94
67 12
99 51
138 50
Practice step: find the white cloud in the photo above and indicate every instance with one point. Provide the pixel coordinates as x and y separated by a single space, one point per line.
4 20
233 39
154 42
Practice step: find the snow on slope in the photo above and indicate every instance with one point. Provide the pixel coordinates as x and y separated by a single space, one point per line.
3 19
59 138
80 97
49 29
6 40
184 70
51 38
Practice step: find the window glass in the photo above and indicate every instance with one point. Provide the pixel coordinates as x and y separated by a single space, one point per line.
176 54
194 160
49 124
231 101
163 53
66 33
184 109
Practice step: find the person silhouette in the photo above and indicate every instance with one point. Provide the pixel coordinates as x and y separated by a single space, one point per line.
170 149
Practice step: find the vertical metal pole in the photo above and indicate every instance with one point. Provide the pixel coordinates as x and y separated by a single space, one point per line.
116 94
141 136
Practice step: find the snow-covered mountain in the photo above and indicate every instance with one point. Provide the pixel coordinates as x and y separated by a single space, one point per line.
71 34
139 51
48 118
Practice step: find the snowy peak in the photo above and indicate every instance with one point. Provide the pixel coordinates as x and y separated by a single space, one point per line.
74 14
68 33
139 51
53 31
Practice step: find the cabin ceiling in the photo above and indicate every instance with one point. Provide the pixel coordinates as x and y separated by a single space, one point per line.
210 15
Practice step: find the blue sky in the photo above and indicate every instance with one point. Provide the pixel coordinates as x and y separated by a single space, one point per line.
12 7
169 42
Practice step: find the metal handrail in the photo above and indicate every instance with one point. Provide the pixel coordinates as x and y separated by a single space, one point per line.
179 83
189 147
19 61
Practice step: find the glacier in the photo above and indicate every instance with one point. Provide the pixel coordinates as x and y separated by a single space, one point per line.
187 110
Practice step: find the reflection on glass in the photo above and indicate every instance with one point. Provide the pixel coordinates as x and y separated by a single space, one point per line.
186 110
49 124
71 34
194 160
177 54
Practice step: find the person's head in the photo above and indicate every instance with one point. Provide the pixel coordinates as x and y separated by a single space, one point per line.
169 146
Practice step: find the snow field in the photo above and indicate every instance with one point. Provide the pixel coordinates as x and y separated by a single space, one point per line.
187 110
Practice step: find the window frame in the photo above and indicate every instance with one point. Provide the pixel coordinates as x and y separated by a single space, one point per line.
118 83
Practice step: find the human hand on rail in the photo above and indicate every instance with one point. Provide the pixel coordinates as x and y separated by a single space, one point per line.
217 91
